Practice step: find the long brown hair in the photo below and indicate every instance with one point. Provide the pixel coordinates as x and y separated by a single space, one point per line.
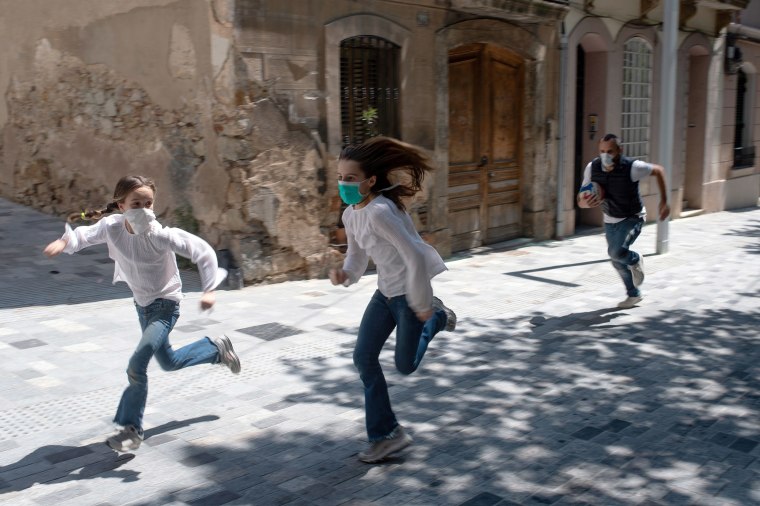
124 187
380 156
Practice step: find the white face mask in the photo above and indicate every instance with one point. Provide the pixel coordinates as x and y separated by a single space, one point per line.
140 219
607 159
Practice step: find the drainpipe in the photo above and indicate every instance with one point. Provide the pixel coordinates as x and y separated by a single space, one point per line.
669 62
561 132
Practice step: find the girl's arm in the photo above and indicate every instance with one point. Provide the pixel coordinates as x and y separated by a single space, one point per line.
419 291
77 239
355 263
200 253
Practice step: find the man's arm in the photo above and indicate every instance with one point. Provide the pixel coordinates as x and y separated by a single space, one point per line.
658 171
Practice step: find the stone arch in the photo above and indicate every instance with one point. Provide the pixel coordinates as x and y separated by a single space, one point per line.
344 28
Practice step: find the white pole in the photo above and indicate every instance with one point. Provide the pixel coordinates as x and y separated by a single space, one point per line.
668 64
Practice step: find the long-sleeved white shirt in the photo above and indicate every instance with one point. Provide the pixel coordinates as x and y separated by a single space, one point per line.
405 263
147 262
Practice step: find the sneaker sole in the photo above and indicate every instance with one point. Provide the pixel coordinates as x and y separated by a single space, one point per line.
451 317
638 274
228 355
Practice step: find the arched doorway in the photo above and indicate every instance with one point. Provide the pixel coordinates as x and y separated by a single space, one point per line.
696 122
485 114
592 55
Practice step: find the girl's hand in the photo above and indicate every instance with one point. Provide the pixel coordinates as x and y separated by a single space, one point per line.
55 248
208 300
424 316
338 276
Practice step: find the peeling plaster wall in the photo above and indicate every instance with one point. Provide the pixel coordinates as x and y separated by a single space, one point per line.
93 90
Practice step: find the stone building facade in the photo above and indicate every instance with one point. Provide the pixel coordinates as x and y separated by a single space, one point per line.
614 67
238 108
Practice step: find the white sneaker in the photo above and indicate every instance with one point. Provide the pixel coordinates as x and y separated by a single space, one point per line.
129 435
629 302
451 317
637 270
379 450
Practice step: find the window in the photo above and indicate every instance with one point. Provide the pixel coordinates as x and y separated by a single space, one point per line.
369 88
744 151
637 97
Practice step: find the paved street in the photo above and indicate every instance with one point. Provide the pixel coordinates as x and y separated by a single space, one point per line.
545 394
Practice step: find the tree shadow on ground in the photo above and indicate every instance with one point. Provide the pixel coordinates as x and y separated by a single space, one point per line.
751 229
58 463
532 410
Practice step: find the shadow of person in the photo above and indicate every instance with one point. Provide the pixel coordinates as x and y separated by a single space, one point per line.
63 463
543 325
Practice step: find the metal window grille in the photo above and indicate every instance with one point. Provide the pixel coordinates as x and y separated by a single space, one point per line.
369 79
744 151
637 97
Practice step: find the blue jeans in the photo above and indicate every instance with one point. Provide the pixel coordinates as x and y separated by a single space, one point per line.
412 339
156 320
620 237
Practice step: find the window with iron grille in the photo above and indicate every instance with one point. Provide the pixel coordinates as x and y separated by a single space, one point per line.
369 88
744 151
637 97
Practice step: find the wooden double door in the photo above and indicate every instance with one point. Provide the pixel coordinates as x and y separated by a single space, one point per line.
485 115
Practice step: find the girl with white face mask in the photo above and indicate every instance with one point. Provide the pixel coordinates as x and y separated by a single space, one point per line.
144 253
378 226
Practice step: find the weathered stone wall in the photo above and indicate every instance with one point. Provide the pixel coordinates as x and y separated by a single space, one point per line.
233 107
158 88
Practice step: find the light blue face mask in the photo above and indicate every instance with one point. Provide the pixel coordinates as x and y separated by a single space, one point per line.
349 192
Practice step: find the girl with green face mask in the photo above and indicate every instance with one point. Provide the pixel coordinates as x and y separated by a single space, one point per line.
378 226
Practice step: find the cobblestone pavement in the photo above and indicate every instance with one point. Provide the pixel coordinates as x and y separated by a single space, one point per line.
545 394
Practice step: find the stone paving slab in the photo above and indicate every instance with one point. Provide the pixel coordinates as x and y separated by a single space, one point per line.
545 394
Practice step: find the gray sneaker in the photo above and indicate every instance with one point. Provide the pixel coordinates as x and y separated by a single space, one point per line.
227 355
451 317
629 302
129 435
379 450
637 270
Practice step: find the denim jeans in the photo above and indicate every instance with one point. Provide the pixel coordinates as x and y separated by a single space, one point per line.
157 320
412 340
620 237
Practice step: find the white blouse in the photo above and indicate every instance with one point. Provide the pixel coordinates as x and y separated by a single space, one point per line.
147 262
405 263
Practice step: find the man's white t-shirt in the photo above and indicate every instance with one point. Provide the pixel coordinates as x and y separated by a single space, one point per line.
639 171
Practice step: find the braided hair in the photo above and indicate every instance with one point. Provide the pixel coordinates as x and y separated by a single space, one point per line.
124 187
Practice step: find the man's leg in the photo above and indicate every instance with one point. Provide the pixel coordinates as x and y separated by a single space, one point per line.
620 236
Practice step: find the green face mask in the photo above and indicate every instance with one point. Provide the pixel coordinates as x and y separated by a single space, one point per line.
349 192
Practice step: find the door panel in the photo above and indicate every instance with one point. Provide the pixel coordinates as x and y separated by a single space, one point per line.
464 151
485 90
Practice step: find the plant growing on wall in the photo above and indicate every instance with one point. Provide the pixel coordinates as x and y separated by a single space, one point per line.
369 117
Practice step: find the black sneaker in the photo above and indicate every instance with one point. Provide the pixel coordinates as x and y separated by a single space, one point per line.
227 355
451 317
